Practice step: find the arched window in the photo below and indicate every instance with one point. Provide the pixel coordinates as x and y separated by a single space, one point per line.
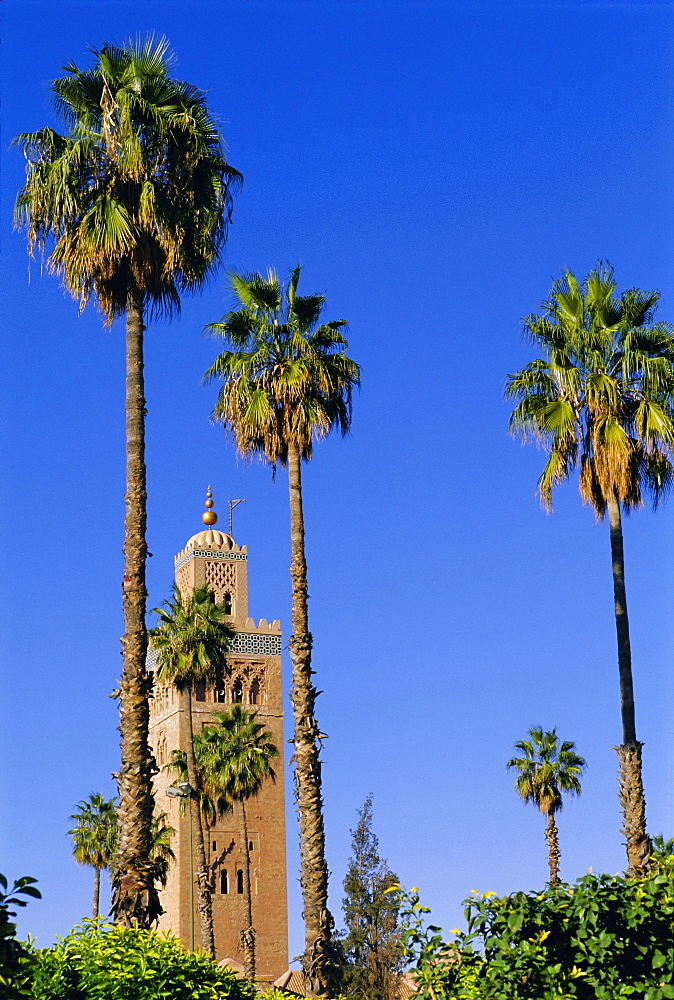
219 695
224 881
200 691
254 693
227 603
237 692
212 598
239 881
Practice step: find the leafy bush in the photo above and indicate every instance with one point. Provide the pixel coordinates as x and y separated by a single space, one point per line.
275 994
14 956
437 967
604 938
98 961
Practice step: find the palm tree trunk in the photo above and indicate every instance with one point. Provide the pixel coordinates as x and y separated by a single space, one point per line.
553 849
247 933
135 899
318 961
97 889
202 876
630 781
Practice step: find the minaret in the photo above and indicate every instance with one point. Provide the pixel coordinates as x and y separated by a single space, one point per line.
253 678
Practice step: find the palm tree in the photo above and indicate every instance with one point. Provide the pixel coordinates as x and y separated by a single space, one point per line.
288 382
95 839
134 202
601 398
94 836
234 757
162 853
190 644
546 771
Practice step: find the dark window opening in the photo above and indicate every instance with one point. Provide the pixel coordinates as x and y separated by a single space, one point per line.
239 881
254 694
211 597
237 693
227 604
220 695
215 845
224 881
250 845
200 691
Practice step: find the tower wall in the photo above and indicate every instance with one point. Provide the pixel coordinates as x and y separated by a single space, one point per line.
253 678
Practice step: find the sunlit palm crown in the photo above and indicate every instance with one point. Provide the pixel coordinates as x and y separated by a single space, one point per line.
287 380
602 394
139 191
547 770
236 753
95 833
233 757
191 639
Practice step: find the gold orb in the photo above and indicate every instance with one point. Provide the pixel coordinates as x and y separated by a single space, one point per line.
209 517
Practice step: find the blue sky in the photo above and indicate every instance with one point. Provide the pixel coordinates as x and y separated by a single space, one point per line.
434 166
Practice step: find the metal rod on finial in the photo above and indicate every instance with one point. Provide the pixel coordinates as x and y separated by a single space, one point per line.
232 505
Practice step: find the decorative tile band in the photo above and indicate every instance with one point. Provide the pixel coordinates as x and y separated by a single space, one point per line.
253 642
243 642
210 555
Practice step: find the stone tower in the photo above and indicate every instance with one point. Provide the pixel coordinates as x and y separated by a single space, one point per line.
253 678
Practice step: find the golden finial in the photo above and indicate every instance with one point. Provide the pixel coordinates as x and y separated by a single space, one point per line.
209 516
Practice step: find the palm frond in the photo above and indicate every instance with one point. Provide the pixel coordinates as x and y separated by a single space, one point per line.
138 191
284 383
603 391
546 770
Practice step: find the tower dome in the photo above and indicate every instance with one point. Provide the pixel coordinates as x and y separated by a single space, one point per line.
211 538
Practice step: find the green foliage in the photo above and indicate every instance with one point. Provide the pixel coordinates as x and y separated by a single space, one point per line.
662 858
191 640
95 832
138 192
546 770
604 938
14 956
287 381
602 396
94 836
233 757
372 944
274 994
435 962
98 961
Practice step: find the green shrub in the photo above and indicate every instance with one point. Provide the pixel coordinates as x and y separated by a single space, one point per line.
15 957
98 961
604 938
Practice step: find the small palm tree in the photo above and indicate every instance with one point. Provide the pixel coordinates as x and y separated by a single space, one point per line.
94 837
545 773
191 643
234 757
162 853
288 382
602 398
134 201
